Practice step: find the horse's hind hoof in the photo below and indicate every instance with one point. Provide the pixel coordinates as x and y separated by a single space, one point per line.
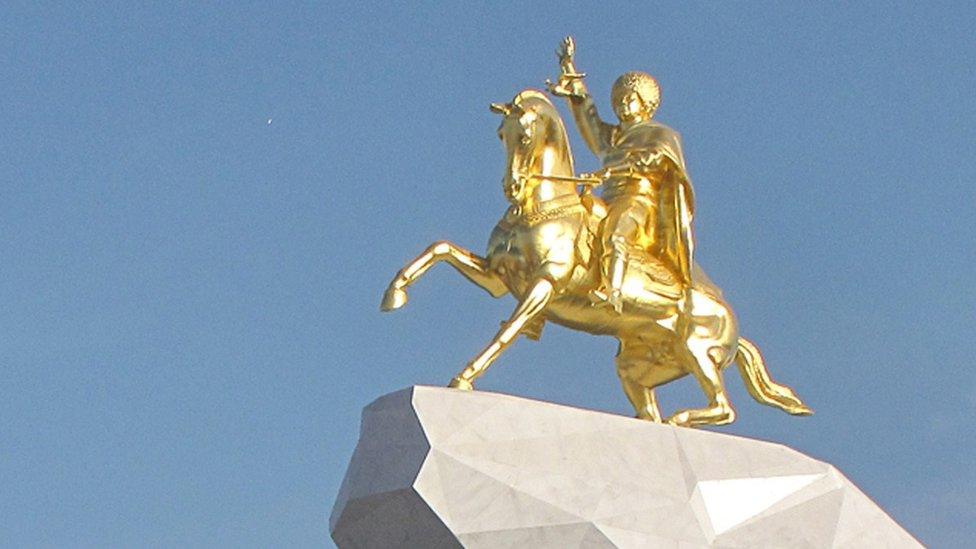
461 384
393 299
681 419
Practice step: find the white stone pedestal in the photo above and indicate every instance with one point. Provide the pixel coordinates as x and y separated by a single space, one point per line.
440 467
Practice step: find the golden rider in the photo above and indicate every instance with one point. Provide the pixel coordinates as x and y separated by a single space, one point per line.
648 194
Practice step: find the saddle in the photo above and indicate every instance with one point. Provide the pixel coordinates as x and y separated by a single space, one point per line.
661 278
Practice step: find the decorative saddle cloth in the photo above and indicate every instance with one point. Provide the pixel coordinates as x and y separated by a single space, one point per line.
661 278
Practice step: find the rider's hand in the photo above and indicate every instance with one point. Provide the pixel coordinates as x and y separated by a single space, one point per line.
571 87
602 175
570 83
566 51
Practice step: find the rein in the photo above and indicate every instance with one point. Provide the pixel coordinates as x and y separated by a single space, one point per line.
553 208
590 181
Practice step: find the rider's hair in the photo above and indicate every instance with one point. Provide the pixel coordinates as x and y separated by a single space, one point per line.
644 84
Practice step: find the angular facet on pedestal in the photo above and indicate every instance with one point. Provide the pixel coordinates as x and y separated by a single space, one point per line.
445 468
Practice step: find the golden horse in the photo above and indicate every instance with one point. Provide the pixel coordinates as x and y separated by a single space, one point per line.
543 253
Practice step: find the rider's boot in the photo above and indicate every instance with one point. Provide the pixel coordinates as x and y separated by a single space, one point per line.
611 286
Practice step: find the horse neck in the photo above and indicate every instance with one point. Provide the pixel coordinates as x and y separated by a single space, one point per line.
545 190
551 161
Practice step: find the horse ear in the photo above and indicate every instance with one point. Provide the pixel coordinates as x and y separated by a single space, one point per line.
500 108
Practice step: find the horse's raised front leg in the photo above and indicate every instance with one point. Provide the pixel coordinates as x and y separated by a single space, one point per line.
473 267
529 309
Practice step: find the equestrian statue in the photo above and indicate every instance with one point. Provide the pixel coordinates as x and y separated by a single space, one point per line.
619 265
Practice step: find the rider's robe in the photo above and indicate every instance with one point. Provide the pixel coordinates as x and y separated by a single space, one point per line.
615 145
672 192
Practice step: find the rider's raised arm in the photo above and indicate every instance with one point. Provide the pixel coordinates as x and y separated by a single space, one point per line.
597 134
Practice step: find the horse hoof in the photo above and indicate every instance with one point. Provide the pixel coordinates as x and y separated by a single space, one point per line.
461 384
681 419
647 416
393 299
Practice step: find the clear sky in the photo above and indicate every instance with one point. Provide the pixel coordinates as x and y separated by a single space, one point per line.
200 208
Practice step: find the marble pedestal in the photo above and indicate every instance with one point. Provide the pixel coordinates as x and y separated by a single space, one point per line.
439 467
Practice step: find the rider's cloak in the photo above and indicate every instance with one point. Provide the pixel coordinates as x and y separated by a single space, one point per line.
675 242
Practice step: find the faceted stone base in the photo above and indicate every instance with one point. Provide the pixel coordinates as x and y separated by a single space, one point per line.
440 467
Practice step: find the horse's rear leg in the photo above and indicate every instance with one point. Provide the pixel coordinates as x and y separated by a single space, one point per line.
631 361
642 399
640 375
705 362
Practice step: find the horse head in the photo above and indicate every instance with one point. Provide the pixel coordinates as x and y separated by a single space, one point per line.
536 145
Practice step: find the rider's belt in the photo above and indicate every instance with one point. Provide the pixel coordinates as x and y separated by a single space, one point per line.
627 186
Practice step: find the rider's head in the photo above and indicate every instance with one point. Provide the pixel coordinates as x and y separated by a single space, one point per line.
635 96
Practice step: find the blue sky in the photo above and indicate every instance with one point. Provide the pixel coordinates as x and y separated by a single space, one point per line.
201 205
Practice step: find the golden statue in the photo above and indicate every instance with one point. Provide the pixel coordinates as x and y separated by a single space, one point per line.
649 197
623 270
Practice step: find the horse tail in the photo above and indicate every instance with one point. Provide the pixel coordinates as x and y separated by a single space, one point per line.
761 387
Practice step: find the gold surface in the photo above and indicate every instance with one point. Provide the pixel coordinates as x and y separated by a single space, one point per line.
622 266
